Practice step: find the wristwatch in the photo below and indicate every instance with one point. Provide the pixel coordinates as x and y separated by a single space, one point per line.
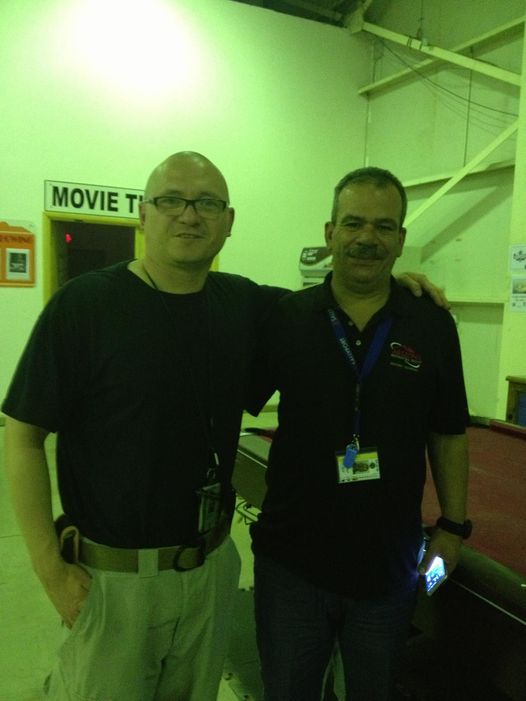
461 529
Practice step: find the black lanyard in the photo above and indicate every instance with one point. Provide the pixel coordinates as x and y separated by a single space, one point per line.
371 357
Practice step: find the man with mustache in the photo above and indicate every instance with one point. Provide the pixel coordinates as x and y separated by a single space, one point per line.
369 379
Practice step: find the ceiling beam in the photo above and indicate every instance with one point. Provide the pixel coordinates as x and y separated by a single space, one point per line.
315 9
427 63
442 54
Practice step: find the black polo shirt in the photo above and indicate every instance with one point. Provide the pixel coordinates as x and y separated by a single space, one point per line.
359 538
141 387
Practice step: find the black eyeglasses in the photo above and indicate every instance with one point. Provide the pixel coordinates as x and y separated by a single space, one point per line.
206 207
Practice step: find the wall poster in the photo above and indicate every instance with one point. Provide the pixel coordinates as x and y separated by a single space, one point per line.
17 255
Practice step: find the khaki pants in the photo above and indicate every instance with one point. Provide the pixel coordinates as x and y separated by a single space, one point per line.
155 638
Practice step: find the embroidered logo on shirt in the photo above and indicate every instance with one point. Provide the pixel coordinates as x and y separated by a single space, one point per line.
405 357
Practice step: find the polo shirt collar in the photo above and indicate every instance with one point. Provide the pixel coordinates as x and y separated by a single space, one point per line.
400 302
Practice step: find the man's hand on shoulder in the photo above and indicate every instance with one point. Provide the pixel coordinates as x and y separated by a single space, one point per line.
419 284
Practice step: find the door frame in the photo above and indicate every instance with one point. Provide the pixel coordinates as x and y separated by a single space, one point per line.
50 253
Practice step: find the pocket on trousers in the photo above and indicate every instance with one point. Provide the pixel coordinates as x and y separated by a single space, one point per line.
87 611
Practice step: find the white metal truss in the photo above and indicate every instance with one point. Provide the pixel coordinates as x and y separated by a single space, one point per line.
356 23
505 29
459 175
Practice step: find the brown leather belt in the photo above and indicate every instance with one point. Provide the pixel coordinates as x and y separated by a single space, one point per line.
149 561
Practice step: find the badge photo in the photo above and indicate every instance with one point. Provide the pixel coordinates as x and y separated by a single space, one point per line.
365 466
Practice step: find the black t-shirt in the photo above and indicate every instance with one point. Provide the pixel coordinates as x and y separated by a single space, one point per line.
363 538
140 387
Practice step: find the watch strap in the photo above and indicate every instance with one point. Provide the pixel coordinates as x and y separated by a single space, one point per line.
461 529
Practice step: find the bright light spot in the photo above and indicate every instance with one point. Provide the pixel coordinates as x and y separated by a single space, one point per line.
148 48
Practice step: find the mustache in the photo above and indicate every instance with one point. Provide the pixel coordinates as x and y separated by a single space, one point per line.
365 252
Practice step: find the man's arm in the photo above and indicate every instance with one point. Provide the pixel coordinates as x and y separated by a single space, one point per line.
448 456
29 483
418 283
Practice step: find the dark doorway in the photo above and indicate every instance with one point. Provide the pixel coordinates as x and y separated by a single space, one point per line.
88 247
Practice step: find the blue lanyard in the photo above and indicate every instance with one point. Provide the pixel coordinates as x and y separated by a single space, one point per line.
372 356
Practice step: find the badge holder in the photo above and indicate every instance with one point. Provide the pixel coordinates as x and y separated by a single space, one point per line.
358 464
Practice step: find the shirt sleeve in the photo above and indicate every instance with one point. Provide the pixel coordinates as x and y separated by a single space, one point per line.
262 383
450 413
43 386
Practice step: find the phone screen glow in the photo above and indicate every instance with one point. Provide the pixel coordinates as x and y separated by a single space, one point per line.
435 575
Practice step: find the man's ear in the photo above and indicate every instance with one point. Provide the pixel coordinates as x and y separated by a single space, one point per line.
232 212
401 234
142 214
329 229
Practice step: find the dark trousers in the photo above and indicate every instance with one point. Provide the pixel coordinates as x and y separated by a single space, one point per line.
298 625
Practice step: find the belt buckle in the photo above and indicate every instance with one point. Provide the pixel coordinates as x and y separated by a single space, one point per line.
201 555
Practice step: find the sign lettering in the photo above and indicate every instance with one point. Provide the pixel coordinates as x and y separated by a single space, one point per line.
92 199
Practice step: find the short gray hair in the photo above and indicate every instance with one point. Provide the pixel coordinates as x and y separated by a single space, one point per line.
374 176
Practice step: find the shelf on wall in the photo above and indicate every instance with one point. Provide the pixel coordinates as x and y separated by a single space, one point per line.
477 300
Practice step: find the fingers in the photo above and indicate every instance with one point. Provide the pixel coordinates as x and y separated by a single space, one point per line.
72 611
84 578
447 546
438 296
412 282
418 283
426 562
70 619
68 592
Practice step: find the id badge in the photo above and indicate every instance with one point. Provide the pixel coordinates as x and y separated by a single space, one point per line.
358 467
209 507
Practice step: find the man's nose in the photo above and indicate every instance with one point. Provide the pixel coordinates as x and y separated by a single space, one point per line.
367 232
189 213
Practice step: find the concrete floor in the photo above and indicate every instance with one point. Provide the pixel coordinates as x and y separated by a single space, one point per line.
30 631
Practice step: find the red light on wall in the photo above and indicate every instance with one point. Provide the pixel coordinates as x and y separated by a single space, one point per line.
69 238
